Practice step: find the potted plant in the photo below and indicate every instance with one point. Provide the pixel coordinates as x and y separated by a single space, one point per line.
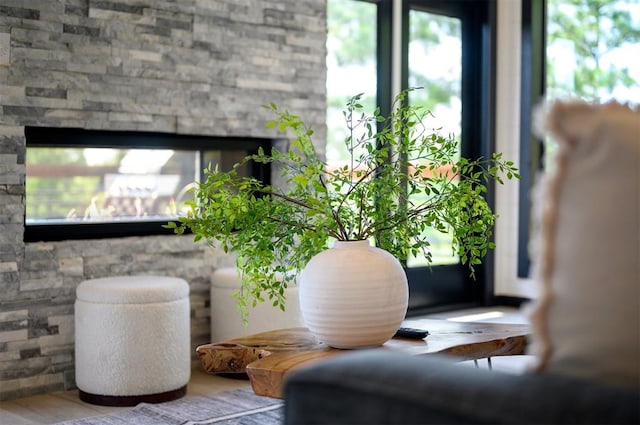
401 180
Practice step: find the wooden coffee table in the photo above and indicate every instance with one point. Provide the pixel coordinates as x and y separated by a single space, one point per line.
266 357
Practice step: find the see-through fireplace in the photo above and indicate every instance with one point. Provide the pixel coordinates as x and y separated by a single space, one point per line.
86 184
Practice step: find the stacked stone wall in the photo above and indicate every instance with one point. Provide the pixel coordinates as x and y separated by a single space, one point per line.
186 67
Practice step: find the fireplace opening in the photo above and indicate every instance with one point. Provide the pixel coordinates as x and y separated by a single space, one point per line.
87 184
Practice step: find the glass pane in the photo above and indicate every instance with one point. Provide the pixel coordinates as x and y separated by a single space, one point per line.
593 49
435 63
351 67
76 185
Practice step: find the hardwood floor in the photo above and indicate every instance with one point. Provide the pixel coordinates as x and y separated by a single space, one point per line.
61 406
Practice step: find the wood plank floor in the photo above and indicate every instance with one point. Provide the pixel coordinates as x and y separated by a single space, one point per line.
64 405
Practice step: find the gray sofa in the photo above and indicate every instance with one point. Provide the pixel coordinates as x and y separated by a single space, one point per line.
379 387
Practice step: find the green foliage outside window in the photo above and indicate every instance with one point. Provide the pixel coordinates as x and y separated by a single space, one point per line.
600 39
593 52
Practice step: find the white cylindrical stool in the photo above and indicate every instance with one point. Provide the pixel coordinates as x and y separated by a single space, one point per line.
132 339
226 322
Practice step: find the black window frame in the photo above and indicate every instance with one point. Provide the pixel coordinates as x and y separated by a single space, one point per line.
446 287
532 92
87 138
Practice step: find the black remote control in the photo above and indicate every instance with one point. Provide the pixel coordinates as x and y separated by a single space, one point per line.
411 333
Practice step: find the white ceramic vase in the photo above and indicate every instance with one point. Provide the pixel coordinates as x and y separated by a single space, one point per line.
353 295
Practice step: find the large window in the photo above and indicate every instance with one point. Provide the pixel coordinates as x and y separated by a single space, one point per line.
593 51
351 67
572 49
435 63
593 47
380 47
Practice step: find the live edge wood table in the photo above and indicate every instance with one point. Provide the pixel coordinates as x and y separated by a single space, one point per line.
266 357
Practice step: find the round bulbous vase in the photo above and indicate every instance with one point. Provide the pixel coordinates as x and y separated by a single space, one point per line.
353 295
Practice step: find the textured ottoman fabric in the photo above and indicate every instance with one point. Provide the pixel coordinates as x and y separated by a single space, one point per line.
132 338
226 322
132 289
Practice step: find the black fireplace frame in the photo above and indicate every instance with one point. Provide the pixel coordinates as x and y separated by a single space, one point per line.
86 138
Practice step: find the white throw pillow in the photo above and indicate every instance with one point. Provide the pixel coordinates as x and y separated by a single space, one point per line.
586 321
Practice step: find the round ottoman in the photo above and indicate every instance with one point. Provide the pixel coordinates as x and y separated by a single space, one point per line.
226 322
132 340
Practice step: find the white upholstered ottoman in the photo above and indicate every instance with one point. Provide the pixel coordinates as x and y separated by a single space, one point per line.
226 322
132 339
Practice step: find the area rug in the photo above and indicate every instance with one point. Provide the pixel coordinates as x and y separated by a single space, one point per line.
227 408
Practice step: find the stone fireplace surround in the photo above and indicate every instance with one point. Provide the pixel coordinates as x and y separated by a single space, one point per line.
185 67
